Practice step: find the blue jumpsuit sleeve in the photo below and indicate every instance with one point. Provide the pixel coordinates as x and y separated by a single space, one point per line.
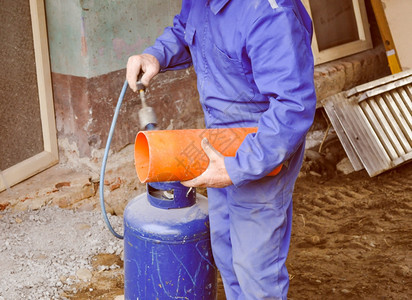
170 48
278 46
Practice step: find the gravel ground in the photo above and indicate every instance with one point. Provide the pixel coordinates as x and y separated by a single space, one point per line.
48 251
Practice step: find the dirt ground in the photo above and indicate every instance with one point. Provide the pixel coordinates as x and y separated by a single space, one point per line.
351 237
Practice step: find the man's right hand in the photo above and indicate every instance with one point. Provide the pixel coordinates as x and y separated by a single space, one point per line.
146 63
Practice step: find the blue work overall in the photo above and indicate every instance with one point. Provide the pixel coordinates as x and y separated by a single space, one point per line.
254 67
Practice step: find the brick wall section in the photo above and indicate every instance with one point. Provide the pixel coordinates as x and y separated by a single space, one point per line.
343 74
84 107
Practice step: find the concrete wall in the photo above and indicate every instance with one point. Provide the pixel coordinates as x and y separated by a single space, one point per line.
90 42
89 38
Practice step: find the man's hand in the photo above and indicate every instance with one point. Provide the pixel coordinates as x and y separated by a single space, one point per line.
215 175
142 62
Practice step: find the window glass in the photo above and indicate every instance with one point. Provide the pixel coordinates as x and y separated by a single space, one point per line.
334 22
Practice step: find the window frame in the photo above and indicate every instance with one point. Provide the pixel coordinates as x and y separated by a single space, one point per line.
363 43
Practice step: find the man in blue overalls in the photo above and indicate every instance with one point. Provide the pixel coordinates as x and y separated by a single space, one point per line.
254 67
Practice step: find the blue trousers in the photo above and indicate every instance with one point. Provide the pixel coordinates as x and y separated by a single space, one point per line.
250 233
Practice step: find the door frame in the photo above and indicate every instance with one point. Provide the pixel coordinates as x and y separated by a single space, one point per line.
49 156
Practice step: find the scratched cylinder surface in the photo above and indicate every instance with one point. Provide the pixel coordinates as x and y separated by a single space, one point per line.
167 252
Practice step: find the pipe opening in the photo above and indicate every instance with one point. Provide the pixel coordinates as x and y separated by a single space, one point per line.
141 156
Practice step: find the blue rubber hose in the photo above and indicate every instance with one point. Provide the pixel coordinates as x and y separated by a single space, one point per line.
106 154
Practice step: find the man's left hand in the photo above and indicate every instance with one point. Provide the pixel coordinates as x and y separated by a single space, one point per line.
215 175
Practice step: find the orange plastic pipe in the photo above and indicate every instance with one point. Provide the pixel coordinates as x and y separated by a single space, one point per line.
177 155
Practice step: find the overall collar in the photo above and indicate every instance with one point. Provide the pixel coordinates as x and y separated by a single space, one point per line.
217 5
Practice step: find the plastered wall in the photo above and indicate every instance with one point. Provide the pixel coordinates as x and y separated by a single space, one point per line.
89 38
90 42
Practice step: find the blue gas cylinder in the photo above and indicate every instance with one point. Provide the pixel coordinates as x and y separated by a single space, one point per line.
167 252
